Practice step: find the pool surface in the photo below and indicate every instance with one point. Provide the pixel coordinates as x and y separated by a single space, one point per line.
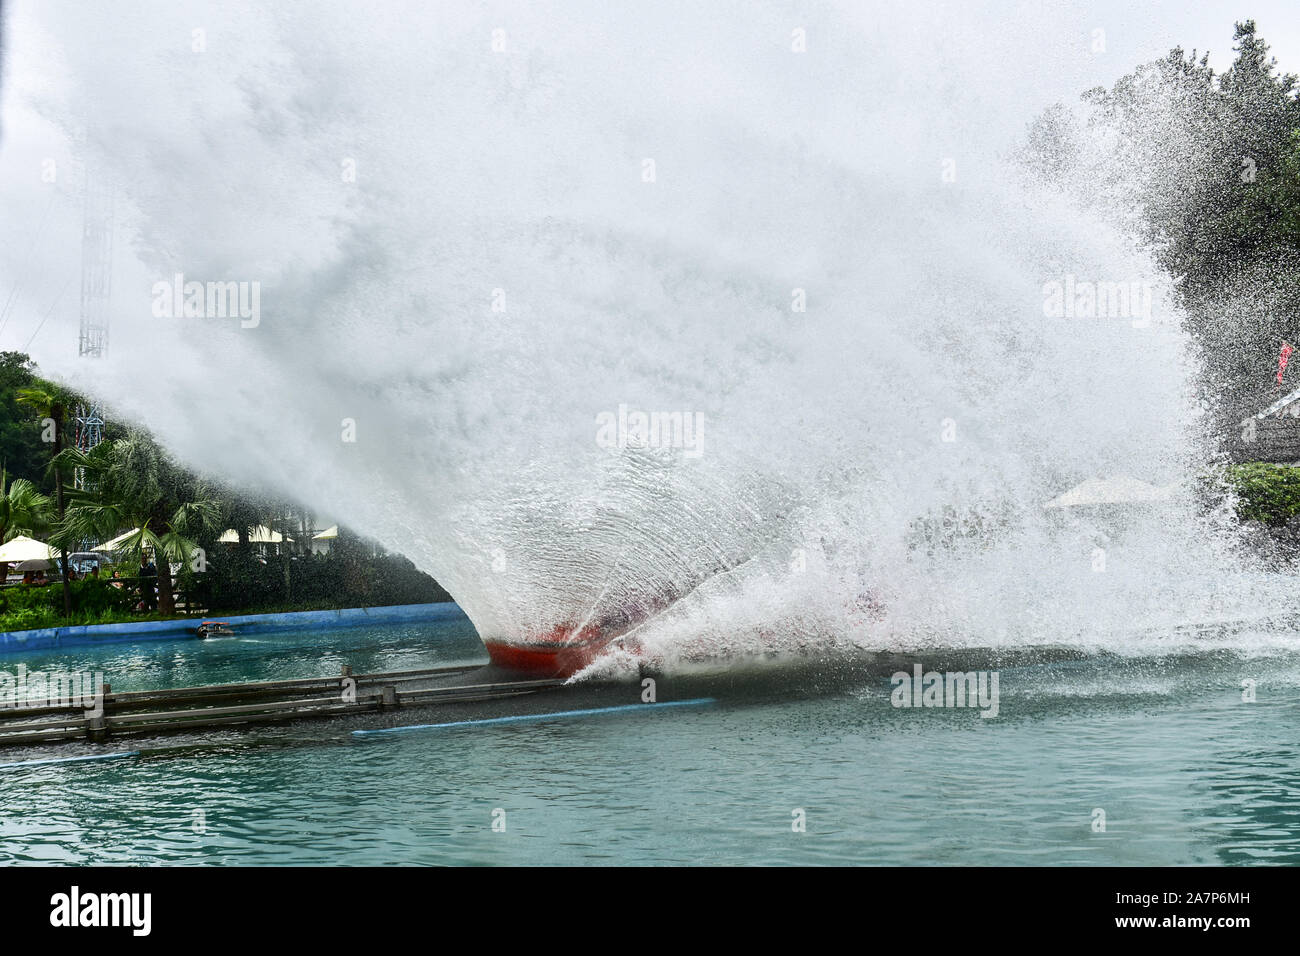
1094 760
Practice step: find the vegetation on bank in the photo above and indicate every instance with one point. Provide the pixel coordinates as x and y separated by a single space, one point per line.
95 602
325 582
1269 494
54 492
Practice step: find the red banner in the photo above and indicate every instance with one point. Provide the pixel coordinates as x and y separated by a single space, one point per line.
1281 361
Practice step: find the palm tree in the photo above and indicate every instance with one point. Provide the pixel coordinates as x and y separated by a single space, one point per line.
50 401
131 482
23 510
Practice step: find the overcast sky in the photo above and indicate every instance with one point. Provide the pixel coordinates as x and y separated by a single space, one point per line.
1031 52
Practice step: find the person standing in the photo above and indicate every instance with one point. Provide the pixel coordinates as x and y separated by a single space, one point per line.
148 585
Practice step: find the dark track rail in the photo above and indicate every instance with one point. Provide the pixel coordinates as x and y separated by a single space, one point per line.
189 709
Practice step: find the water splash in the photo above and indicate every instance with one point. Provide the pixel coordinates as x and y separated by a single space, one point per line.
472 244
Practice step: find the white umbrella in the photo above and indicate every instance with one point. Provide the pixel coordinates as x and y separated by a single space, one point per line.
23 548
328 534
1111 491
108 547
259 535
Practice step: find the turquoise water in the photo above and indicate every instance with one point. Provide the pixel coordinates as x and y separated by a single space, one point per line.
278 655
1184 770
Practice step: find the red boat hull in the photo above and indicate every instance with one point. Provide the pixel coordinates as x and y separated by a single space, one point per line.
559 653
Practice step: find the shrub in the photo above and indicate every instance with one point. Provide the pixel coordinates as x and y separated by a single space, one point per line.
89 596
1266 493
29 619
342 579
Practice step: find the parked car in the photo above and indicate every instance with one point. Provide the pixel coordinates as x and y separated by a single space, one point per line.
83 562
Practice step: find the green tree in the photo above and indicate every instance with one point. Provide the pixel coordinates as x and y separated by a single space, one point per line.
132 483
23 511
1212 166
22 453
51 402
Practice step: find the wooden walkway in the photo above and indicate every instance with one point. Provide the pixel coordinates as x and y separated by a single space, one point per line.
189 709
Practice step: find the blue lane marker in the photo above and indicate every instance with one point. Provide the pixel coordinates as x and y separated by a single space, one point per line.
53 760
521 718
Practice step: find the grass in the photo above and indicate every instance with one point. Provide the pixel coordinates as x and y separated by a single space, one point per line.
33 618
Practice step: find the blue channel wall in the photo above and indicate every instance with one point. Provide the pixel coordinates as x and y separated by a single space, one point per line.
51 637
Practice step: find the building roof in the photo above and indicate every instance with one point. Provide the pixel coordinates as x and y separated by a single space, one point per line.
1120 490
259 535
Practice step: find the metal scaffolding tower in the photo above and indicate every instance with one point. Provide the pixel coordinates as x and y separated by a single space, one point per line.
96 290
